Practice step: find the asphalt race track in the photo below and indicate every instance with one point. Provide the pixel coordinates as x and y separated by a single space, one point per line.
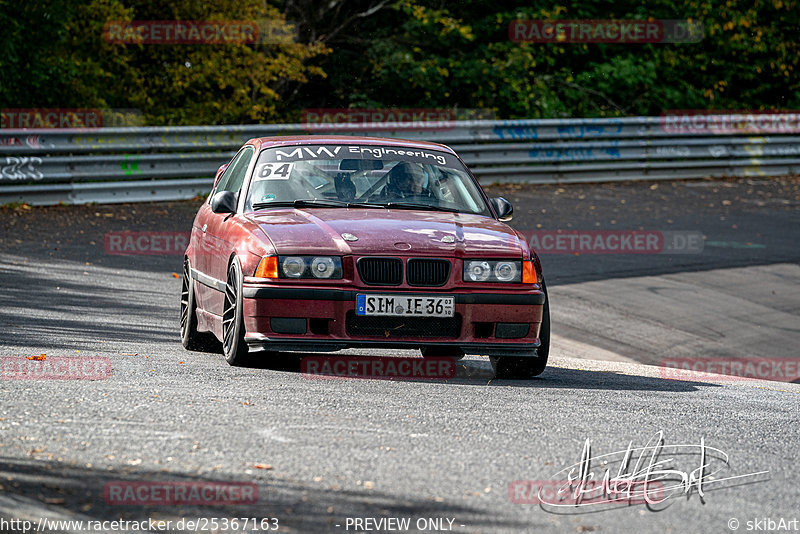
323 453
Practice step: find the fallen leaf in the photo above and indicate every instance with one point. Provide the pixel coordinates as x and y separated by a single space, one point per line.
39 358
263 466
175 275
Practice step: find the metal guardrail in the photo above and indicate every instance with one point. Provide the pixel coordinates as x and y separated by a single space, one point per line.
110 165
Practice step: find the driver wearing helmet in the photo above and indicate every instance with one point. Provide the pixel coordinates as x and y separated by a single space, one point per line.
405 180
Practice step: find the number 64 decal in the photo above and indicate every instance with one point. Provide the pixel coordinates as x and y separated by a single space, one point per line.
274 171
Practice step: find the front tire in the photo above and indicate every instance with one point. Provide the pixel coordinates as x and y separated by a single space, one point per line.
234 347
522 367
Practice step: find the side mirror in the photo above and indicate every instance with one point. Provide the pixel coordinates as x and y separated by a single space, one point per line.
502 207
224 202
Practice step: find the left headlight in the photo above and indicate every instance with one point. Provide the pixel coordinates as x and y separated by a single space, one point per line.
321 267
498 271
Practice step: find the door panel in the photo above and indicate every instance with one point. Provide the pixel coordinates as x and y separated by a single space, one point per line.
199 258
217 249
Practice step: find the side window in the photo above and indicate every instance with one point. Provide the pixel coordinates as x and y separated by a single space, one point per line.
234 175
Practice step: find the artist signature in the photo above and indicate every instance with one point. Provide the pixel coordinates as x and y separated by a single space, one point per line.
649 475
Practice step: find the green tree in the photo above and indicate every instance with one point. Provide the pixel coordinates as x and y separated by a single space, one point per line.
431 53
55 55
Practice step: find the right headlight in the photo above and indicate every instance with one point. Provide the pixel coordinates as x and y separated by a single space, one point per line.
293 266
320 267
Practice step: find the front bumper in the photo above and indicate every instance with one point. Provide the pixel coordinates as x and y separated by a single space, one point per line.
323 319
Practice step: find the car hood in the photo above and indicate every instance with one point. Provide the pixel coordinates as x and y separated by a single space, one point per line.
386 232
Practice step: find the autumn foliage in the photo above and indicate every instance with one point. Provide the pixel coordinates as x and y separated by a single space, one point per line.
373 54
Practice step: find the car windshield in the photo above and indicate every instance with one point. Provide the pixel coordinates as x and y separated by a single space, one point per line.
365 176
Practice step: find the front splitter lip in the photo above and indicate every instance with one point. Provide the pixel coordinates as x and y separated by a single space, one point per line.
322 345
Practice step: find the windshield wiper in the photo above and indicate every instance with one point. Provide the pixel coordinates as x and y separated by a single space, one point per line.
429 207
330 203
313 203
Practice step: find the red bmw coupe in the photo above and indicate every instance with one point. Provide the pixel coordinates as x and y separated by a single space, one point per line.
320 243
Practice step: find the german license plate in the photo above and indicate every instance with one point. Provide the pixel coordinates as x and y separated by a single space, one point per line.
402 305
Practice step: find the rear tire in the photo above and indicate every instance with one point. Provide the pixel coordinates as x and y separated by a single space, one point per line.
191 339
234 347
522 367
